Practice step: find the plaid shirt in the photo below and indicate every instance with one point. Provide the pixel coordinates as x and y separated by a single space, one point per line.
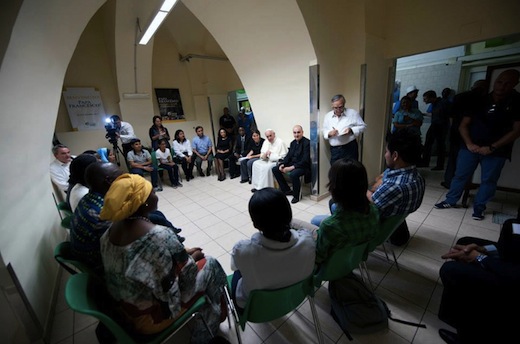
345 228
400 193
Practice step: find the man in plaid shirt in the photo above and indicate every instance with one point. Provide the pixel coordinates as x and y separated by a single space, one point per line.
400 189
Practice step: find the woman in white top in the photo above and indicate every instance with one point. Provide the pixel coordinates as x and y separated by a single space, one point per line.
276 256
183 154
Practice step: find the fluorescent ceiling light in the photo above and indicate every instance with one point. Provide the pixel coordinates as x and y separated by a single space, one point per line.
154 25
167 5
157 20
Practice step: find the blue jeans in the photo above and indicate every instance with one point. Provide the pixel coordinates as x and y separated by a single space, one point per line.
316 220
246 168
141 172
467 162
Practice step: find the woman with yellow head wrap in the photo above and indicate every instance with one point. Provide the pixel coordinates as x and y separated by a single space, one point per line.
147 269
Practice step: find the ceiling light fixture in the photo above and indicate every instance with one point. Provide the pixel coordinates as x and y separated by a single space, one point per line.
150 29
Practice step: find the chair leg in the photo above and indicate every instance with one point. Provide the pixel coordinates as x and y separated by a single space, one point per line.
364 272
316 320
234 313
395 258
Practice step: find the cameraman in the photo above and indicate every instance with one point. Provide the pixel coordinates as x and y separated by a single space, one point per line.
125 132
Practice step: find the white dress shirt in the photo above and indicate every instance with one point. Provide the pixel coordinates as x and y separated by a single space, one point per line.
349 118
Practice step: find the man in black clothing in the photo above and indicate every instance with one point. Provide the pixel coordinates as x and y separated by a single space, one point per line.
297 162
481 288
438 129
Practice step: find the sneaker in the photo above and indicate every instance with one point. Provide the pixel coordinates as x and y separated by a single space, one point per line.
478 216
444 205
157 189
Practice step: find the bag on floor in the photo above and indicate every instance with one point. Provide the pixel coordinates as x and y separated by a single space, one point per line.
357 309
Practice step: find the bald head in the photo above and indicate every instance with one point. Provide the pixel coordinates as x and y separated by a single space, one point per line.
505 83
297 132
99 176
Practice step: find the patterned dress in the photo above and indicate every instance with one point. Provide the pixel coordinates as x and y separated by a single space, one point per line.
153 280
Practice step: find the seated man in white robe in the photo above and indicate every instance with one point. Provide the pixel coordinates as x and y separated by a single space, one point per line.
273 149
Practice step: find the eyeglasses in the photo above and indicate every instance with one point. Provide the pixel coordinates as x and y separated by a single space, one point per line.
338 107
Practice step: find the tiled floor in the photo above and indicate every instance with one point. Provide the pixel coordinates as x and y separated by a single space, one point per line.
214 216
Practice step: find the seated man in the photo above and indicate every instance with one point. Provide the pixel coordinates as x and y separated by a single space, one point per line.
59 168
297 162
400 189
203 150
481 282
140 161
273 149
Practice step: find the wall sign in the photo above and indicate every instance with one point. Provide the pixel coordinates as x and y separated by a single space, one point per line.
85 108
170 106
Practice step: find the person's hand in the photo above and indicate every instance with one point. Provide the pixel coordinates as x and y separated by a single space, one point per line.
148 168
195 253
473 148
346 131
464 253
333 132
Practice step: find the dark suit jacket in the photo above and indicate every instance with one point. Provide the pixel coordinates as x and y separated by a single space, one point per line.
238 144
299 155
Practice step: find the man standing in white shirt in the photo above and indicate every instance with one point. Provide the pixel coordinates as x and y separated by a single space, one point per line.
59 168
125 132
342 127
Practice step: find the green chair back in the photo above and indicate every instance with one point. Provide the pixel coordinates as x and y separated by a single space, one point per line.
387 227
267 305
66 222
87 294
63 255
340 263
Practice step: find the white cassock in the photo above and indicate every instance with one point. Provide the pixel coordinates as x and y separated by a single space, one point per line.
262 175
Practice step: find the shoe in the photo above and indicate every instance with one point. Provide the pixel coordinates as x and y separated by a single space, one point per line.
201 174
446 185
444 205
208 172
244 181
174 186
288 193
479 216
253 190
235 176
179 185
295 200
181 239
249 181
437 168
157 189
187 178
448 336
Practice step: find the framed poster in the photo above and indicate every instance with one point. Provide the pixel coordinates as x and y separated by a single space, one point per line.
170 106
85 108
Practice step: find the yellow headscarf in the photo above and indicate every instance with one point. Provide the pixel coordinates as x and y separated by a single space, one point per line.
126 194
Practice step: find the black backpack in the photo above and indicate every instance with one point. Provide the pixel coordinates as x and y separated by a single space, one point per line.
357 309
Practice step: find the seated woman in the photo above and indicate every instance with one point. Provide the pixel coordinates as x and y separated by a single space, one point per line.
148 272
253 154
106 155
224 151
355 219
77 184
183 154
276 256
158 132
140 161
165 161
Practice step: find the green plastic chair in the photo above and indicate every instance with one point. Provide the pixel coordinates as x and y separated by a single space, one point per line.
87 294
63 255
267 305
66 222
155 165
386 228
341 263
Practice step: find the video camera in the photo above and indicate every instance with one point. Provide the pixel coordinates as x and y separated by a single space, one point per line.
111 129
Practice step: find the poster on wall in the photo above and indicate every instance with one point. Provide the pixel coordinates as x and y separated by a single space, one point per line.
85 108
170 106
